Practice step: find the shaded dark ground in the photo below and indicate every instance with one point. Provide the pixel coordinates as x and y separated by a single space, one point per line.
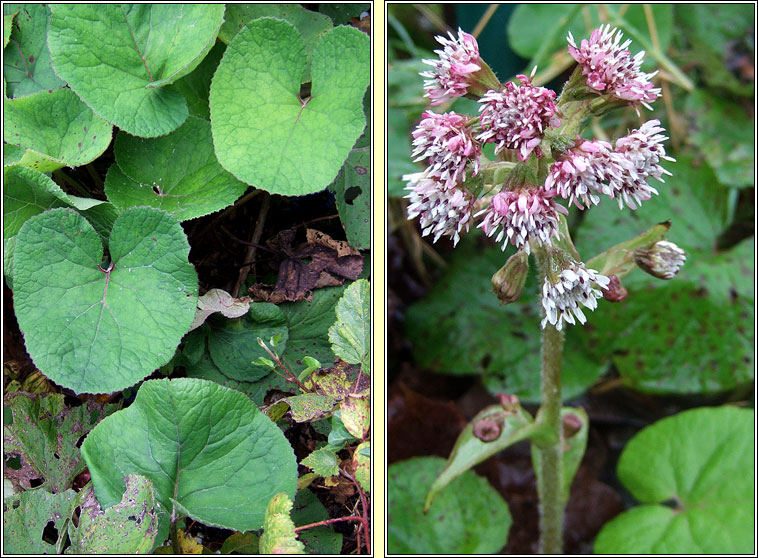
426 412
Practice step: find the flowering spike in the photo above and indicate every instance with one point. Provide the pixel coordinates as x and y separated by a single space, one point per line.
517 116
575 285
453 73
447 144
443 211
642 151
523 215
609 68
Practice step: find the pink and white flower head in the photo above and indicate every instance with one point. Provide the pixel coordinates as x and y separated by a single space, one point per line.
443 211
523 215
588 169
576 285
453 72
517 117
609 67
642 151
447 144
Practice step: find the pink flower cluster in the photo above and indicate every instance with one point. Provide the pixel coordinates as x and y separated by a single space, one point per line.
609 67
452 73
593 167
447 144
517 116
442 211
523 215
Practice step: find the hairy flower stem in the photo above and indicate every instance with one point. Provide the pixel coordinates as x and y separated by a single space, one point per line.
551 455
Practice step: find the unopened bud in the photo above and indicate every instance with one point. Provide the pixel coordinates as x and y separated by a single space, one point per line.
571 425
509 281
489 428
510 403
662 260
614 292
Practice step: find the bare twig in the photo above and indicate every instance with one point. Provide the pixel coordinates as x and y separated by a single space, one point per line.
250 256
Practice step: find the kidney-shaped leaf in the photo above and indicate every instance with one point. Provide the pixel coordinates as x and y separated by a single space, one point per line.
177 172
209 451
117 57
700 499
469 517
57 127
265 133
98 329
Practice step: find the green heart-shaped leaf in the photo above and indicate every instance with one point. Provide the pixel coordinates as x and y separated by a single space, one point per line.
468 517
178 173
209 451
264 132
99 329
57 128
693 473
119 57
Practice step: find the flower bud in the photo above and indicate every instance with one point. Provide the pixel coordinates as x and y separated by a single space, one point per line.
488 429
614 292
509 281
662 260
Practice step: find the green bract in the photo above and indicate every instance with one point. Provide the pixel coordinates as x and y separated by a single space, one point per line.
98 327
56 129
264 132
178 173
210 453
118 58
700 498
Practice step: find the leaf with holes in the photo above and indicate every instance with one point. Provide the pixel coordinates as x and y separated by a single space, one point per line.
265 133
129 527
98 327
45 433
119 58
210 453
26 65
56 129
352 190
27 515
177 173
700 499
